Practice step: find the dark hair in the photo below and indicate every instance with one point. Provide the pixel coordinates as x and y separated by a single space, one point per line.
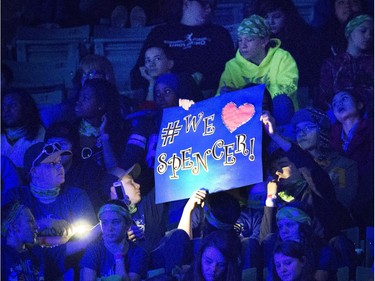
229 246
66 130
171 10
357 97
277 154
108 97
293 20
223 207
31 120
295 250
98 63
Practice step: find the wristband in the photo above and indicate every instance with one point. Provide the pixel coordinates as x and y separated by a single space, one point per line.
270 202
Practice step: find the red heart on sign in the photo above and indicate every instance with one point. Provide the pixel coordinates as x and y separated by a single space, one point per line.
234 117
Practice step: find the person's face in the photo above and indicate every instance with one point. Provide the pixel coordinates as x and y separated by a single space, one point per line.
288 268
165 96
132 189
307 134
252 48
345 106
288 229
87 105
345 8
65 145
362 36
11 113
26 227
276 20
199 10
49 174
156 62
114 227
213 264
284 171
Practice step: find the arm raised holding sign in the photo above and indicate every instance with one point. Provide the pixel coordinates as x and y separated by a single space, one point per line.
270 127
196 199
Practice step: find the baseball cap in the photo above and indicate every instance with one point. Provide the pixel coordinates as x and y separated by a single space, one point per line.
42 152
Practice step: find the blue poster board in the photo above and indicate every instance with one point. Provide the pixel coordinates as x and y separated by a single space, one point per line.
216 145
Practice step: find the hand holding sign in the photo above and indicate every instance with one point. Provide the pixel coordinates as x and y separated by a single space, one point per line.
196 199
268 122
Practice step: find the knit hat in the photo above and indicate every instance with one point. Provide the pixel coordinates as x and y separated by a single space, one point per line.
42 152
355 22
254 26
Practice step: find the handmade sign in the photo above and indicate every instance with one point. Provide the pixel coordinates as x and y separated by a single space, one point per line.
216 145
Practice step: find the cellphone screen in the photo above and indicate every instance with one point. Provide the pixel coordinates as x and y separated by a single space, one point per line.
119 191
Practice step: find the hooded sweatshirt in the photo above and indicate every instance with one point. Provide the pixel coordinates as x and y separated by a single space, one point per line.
278 71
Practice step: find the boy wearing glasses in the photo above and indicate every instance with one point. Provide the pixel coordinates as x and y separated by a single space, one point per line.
58 210
312 128
297 177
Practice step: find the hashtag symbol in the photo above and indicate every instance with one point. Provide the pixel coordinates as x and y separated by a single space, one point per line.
169 133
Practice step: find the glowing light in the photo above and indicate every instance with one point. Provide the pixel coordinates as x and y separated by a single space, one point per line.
81 228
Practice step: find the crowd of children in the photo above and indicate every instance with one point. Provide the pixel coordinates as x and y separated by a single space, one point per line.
59 181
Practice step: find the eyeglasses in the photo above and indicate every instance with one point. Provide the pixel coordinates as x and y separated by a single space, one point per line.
307 129
48 149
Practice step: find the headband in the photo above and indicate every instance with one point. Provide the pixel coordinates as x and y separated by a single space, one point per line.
355 22
114 208
254 26
294 214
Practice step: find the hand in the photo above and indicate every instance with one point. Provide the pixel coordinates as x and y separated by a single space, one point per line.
135 233
196 199
55 227
113 195
185 103
145 74
268 122
271 188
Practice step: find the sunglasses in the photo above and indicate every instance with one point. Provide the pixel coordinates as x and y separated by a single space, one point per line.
48 149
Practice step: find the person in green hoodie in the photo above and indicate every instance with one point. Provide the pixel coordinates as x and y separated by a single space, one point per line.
260 60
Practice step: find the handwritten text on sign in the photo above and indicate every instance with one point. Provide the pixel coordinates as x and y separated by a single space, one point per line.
216 144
